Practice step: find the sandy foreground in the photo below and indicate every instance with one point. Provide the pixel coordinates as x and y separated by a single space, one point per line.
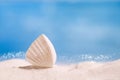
17 69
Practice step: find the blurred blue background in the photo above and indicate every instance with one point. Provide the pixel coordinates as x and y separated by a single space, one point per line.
74 27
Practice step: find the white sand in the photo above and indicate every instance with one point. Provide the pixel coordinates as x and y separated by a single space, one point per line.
17 69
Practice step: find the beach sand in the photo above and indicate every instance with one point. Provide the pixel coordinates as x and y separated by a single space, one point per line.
17 69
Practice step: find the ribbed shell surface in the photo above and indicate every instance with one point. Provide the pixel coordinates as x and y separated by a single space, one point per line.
41 52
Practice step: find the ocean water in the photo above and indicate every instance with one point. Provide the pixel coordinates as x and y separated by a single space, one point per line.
64 59
80 31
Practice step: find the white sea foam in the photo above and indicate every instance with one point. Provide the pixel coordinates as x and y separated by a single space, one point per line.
84 57
11 55
61 58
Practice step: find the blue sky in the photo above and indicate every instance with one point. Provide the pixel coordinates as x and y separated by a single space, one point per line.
73 27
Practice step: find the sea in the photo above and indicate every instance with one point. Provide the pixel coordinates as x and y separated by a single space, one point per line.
79 30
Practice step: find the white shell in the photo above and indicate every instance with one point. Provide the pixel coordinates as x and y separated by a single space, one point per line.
41 52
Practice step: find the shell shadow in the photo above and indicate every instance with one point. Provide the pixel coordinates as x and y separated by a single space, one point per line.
32 67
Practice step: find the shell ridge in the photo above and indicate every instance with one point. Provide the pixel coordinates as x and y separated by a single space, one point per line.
51 48
45 49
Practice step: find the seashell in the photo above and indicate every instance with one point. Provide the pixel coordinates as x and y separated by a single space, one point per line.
41 52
